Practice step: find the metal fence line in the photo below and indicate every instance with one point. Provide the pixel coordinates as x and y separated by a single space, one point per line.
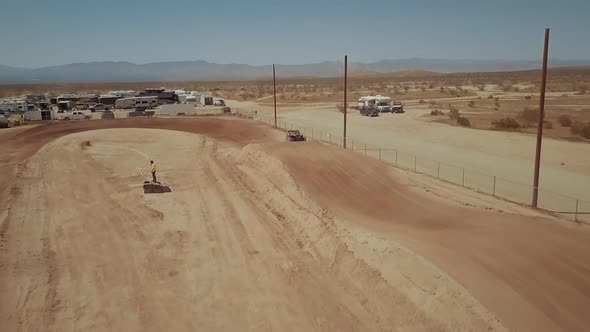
515 192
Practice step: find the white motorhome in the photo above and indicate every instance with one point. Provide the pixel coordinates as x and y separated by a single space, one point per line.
134 102
381 103
191 99
182 98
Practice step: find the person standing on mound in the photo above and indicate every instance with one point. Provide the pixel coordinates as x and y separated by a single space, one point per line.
154 169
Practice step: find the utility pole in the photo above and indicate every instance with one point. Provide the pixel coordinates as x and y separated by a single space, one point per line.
345 101
274 89
541 118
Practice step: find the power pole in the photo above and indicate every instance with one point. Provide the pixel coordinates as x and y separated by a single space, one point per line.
345 101
541 119
274 89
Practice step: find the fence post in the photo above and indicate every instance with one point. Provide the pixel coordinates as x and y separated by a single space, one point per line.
379 151
365 149
396 158
576 214
438 171
415 158
494 190
463 177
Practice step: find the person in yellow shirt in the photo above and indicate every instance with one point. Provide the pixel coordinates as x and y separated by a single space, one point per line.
154 169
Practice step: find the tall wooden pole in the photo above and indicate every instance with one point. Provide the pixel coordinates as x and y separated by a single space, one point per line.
345 100
274 89
541 119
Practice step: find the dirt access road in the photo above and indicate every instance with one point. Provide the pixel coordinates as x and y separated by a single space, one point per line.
565 167
276 236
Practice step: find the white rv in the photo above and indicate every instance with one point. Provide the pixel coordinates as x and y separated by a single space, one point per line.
381 103
134 102
191 99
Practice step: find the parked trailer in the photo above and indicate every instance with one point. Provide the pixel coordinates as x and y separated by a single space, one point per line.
38 115
206 100
133 102
66 105
13 106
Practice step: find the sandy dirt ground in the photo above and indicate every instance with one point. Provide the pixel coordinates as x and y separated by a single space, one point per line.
565 167
259 234
236 238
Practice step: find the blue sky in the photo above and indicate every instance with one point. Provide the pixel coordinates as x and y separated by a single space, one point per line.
43 32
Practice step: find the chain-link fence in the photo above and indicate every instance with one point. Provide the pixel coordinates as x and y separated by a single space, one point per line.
568 207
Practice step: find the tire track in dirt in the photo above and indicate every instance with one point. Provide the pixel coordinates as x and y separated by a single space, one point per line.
297 265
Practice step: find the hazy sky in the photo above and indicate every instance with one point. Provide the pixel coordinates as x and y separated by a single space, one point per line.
43 32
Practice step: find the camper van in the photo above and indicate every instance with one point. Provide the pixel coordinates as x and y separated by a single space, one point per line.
134 102
383 103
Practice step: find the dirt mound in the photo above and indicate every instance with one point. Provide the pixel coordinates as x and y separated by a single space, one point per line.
491 254
357 185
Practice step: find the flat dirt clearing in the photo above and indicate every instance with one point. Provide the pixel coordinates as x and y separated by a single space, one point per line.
259 234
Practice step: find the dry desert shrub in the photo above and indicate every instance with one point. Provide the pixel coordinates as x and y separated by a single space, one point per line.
581 128
565 120
547 124
454 113
506 124
529 115
437 112
463 121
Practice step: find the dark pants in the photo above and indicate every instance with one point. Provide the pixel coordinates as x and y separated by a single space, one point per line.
154 176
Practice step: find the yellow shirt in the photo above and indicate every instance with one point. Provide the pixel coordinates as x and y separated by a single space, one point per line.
153 167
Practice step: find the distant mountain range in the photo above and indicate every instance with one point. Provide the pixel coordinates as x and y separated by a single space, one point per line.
203 70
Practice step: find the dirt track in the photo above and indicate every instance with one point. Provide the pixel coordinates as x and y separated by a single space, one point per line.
82 248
